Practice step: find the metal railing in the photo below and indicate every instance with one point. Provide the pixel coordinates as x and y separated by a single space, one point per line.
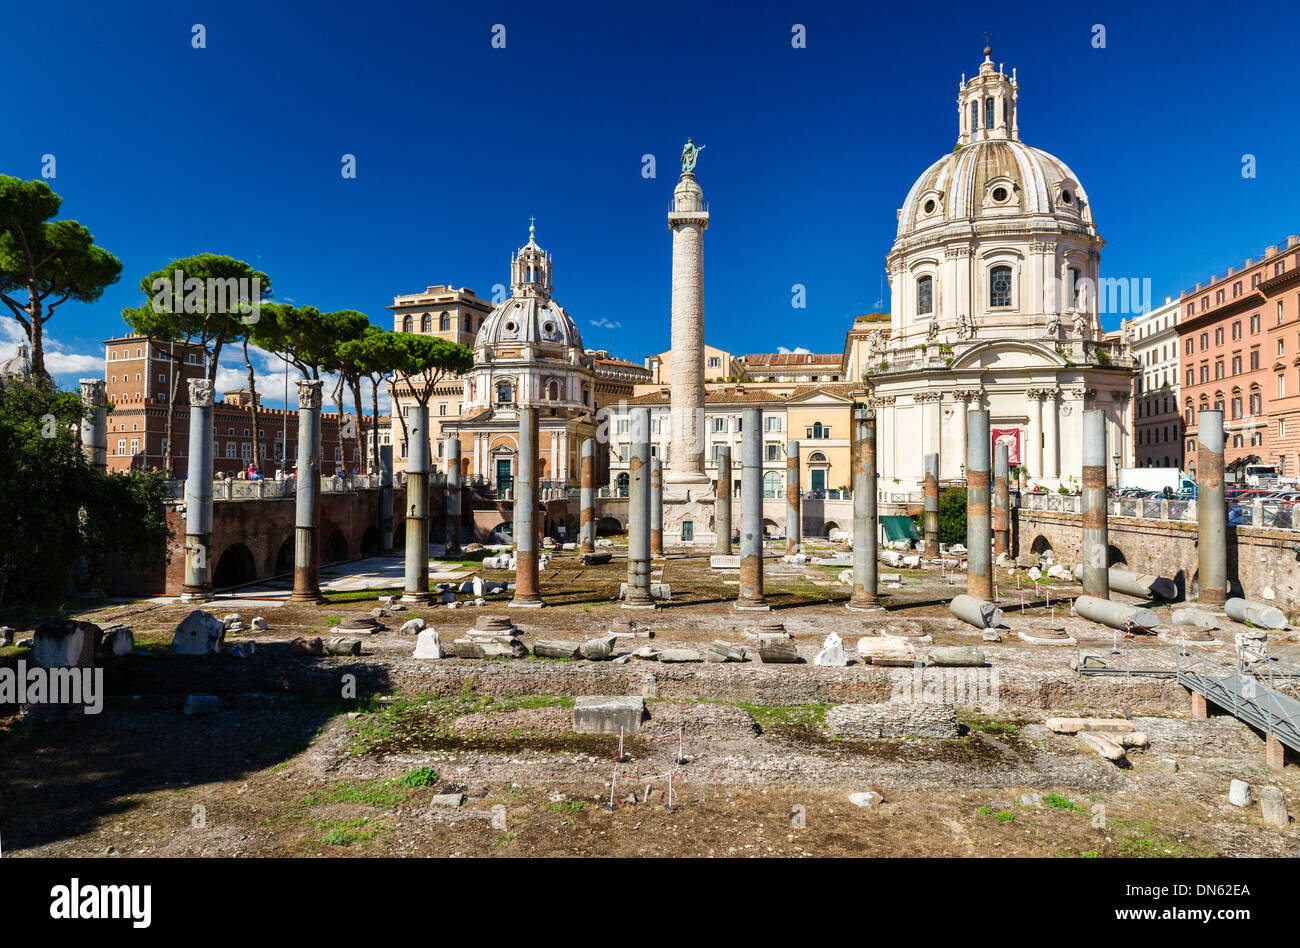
237 488
1267 514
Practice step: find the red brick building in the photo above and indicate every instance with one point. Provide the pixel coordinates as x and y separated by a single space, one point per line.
139 376
1239 343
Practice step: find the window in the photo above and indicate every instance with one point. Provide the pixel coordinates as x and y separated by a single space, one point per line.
719 425
1205 341
715 362
818 431
231 448
988 112
925 295
442 408
1254 359
773 422
1281 385
974 116
121 446
1218 336
1000 286
1254 323
505 393
773 451
444 322
426 323
408 324
624 425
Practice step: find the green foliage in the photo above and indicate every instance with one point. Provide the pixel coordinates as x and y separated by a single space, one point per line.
1058 802
952 516
55 507
426 360
420 777
42 260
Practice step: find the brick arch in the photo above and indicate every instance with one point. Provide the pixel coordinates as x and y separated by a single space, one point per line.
279 557
1040 545
234 567
1115 556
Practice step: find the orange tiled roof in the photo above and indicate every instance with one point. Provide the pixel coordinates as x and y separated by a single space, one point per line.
792 358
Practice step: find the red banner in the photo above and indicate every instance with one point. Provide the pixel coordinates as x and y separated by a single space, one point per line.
1011 438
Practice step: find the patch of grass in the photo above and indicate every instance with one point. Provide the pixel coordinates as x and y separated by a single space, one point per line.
1006 816
361 595
431 716
565 806
382 794
787 715
346 832
984 810
1058 802
332 620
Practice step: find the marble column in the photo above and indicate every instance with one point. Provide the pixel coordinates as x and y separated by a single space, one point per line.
526 515
1033 453
793 507
198 496
306 524
751 597
960 406
417 506
587 498
452 499
94 426
1051 435
688 220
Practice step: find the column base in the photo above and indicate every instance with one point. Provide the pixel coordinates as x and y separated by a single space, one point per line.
197 596
864 605
417 597
638 603
1212 597
306 598
530 602
751 605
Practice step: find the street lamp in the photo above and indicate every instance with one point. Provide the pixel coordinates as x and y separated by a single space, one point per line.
1115 458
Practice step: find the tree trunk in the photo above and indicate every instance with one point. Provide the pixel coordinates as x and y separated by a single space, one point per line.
374 404
359 411
252 407
338 429
177 372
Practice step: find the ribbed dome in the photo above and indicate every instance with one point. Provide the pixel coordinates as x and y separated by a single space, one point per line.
996 179
529 319
19 365
530 315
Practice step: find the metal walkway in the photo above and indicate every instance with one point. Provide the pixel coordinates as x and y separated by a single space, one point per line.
1260 688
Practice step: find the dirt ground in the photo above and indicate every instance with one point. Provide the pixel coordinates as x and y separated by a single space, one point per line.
292 766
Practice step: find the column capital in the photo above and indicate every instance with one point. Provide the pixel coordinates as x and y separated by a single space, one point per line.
201 393
309 393
923 397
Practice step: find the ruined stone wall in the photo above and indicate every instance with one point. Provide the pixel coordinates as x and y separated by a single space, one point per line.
1260 560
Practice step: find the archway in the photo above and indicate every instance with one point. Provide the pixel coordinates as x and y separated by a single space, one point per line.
284 558
235 566
770 529
829 527
335 549
370 541
399 536
1115 556
608 525
1040 546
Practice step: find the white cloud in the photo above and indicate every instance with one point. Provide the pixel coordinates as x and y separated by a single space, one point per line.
797 350
604 323
269 373
58 360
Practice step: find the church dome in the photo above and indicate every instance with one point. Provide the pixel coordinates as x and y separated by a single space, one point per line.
530 316
995 178
20 365
992 175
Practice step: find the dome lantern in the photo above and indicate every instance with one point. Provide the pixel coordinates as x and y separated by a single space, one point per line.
986 104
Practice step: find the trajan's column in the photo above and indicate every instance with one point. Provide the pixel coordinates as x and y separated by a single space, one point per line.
688 490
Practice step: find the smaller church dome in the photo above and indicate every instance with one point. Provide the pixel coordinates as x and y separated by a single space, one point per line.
530 315
19 365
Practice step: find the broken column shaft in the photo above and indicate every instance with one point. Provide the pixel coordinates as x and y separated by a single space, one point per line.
793 515
94 426
866 569
453 497
587 498
385 497
1001 501
751 513
417 505
1211 514
722 511
656 507
931 489
979 556
1096 542
638 514
526 514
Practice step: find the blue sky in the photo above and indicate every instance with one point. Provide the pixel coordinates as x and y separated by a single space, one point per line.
164 150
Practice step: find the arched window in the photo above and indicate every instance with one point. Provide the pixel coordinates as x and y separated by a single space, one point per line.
1076 287
988 112
817 430
553 390
444 322
426 323
816 458
974 116
505 392
925 295
407 324
772 484
1000 287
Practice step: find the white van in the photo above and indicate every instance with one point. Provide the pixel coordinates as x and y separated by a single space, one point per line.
1260 475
